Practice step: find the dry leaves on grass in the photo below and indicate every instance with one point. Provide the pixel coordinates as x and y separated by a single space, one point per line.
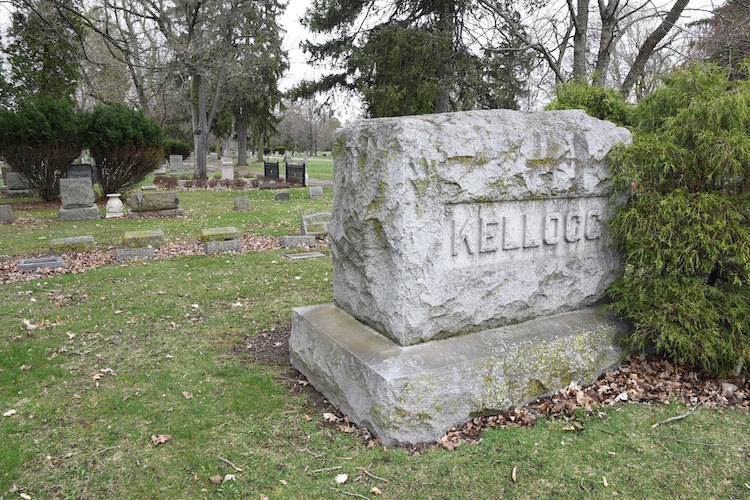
76 263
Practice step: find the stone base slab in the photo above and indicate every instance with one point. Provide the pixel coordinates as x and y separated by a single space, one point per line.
223 246
177 212
290 241
125 254
85 213
417 393
18 193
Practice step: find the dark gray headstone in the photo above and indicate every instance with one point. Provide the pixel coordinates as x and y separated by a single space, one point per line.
16 181
281 197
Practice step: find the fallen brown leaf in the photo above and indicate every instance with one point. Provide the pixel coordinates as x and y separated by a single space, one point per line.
217 479
158 439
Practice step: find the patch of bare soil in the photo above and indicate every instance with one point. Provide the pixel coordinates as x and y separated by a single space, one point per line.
641 377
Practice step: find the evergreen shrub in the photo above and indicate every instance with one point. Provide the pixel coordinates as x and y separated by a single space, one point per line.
40 139
176 147
685 232
125 145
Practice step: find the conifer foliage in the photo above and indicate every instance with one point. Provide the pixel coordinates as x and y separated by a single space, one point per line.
685 232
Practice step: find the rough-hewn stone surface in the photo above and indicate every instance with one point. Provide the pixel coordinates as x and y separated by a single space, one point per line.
77 193
16 181
417 393
152 201
73 244
454 223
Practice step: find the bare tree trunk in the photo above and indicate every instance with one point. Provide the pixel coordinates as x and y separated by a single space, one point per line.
259 145
648 47
581 22
609 22
240 129
200 129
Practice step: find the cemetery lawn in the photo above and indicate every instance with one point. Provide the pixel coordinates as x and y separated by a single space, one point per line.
318 167
96 368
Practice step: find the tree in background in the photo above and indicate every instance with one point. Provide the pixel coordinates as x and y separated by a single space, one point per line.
125 145
43 49
725 36
406 57
40 139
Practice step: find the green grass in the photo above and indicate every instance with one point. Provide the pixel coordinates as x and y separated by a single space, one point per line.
184 324
203 209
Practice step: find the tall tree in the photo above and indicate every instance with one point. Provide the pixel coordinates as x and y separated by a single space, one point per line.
43 49
403 57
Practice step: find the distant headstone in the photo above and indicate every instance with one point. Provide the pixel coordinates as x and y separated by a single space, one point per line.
315 192
78 198
82 171
316 224
6 214
242 204
227 171
17 186
467 273
175 162
16 181
214 157
283 196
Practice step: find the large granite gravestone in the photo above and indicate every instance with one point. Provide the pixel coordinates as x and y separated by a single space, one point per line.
468 252
175 162
78 198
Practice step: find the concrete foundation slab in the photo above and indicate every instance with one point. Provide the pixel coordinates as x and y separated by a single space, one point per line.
417 393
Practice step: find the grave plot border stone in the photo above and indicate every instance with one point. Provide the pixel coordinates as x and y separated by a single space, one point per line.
304 255
315 224
144 238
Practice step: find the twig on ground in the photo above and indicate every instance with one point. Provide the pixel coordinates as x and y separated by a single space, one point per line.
365 471
350 493
105 449
678 417
584 488
230 463
327 469
316 455
682 441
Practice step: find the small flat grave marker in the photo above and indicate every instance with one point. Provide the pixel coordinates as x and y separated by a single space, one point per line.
316 193
281 197
304 255
31 265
